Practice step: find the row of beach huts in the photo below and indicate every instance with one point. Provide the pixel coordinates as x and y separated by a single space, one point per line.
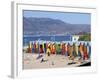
67 48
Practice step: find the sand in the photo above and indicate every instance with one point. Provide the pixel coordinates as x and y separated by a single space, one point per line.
30 61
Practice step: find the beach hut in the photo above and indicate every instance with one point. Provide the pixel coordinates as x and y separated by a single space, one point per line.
46 45
48 51
81 50
63 49
45 48
30 47
53 48
33 47
79 54
85 51
41 48
75 51
58 48
89 50
71 52
76 48
37 46
66 49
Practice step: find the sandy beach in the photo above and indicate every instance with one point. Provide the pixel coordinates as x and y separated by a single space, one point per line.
30 61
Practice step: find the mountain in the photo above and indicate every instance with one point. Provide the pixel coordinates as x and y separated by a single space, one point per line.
48 26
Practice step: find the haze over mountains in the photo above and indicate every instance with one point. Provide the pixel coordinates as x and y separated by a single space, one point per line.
48 26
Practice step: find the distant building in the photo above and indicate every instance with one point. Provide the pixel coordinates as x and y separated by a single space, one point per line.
75 38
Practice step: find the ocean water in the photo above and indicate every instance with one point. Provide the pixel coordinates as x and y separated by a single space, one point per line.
68 39
26 40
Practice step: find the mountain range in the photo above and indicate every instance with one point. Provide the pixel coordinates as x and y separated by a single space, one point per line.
49 26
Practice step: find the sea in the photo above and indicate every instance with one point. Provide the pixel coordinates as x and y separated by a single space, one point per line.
68 38
27 39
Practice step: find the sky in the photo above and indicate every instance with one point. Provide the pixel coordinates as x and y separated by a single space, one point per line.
68 17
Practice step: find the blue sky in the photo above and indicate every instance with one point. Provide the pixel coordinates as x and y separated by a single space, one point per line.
68 17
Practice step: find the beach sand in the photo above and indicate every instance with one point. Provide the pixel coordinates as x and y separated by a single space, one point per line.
30 61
